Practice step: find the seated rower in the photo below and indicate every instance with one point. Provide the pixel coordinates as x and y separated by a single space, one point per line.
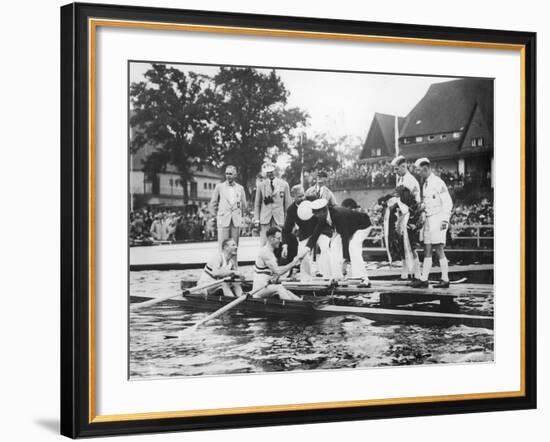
222 265
266 270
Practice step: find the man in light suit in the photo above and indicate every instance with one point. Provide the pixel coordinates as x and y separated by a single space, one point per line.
320 190
271 202
228 204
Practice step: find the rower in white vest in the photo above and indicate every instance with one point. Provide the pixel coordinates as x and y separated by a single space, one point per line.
222 265
267 272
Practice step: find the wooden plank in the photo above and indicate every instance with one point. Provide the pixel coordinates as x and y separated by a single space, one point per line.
380 314
398 287
354 290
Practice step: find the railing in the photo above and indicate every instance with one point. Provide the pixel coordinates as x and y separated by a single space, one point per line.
477 233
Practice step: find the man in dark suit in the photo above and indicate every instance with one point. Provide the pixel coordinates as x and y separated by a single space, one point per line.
299 214
346 248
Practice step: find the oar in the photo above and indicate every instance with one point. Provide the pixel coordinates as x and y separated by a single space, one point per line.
193 289
221 311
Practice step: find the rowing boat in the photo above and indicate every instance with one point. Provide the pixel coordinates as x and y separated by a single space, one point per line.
308 308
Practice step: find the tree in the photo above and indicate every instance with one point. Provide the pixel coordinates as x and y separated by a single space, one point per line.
318 153
349 149
252 120
173 111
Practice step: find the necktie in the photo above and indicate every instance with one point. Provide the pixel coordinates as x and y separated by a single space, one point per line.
272 186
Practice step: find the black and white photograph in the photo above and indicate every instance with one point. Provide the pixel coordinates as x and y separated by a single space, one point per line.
285 219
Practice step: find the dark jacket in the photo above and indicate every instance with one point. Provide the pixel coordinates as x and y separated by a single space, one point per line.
306 228
346 222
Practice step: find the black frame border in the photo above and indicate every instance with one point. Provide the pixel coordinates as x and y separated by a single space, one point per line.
75 219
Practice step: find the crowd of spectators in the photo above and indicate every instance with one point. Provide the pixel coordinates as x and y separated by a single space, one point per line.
154 225
381 174
160 225
358 175
157 225
467 221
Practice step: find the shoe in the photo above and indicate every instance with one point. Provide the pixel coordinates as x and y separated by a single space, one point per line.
365 284
413 281
419 284
441 285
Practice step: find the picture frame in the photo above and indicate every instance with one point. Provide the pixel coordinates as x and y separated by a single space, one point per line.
79 241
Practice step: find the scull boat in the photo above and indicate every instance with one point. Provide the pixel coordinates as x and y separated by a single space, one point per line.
312 308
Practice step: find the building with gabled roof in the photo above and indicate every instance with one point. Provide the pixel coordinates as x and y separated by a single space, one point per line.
452 125
380 141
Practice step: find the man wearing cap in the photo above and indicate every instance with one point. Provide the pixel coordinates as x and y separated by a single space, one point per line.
320 190
407 180
437 207
271 202
353 227
298 214
228 204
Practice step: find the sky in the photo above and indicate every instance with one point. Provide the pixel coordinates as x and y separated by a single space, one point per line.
339 103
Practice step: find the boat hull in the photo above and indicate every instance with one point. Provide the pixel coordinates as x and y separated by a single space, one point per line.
309 309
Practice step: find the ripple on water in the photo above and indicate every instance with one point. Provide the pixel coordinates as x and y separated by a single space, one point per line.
236 343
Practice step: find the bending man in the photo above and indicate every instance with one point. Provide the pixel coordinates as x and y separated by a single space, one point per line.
353 227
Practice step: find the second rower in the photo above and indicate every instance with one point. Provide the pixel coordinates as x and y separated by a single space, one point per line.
266 270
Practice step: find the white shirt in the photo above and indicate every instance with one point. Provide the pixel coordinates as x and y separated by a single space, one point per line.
436 197
410 182
231 195
329 219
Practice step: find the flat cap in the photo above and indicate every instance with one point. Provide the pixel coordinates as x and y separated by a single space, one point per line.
397 161
319 204
422 162
304 210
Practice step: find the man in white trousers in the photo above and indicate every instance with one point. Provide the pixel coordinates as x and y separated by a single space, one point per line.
406 179
437 205
353 227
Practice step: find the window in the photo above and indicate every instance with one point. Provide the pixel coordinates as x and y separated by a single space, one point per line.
171 182
378 152
418 122
418 139
474 142
431 137
444 136
406 141
205 185
480 141
456 135
193 190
